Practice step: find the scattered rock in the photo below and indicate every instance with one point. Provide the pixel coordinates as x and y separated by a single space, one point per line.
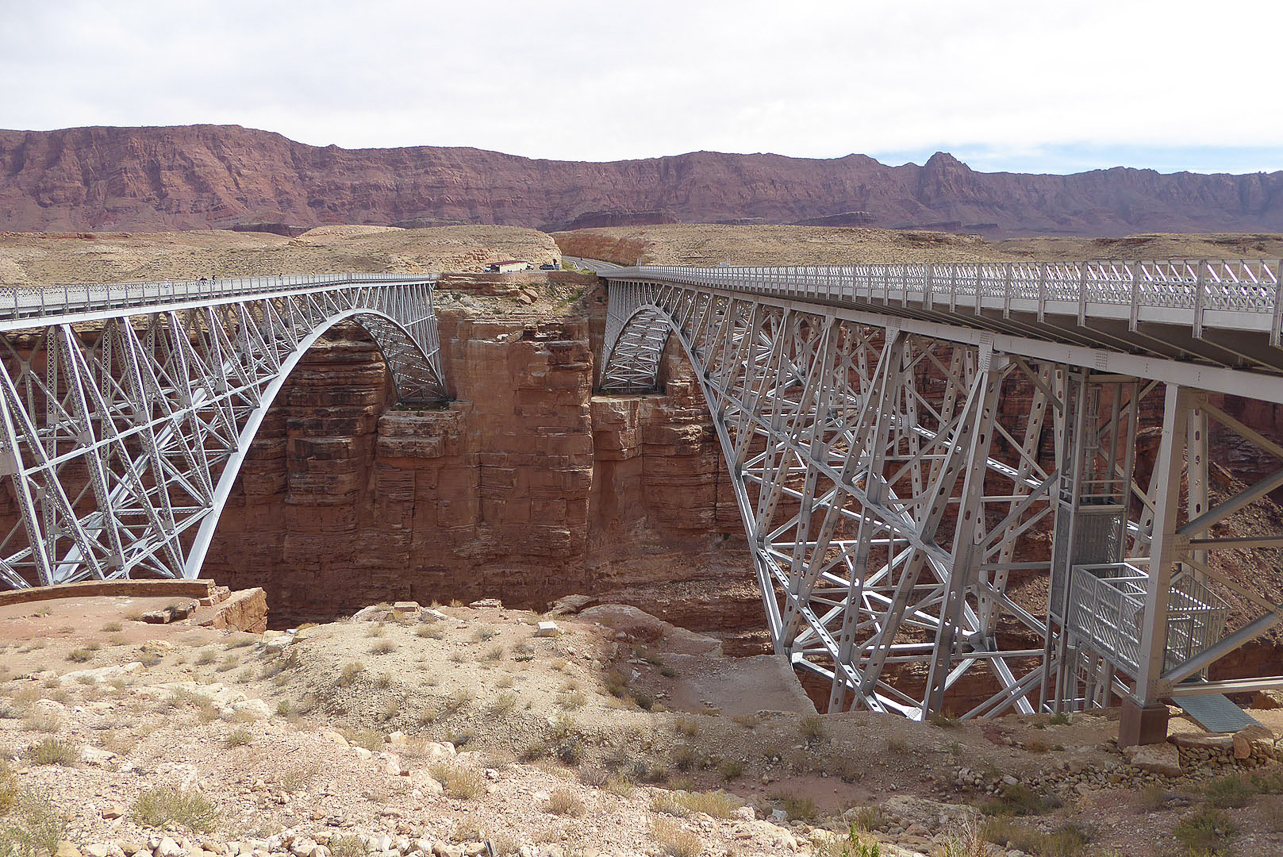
1161 758
548 629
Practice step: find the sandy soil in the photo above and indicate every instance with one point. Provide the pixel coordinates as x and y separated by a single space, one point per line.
338 731
48 258
693 244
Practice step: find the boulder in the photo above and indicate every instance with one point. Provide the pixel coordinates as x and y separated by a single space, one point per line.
1164 758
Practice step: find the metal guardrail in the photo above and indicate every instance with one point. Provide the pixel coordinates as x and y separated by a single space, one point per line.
39 302
1107 606
1192 292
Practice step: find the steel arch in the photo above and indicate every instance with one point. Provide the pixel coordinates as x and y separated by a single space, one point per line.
125 422
897 473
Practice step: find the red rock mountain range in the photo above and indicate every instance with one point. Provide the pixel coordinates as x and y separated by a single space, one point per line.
221 176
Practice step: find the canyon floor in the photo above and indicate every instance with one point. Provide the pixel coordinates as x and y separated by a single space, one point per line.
455 729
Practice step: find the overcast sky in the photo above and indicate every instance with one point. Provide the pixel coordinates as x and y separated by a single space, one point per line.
1027 86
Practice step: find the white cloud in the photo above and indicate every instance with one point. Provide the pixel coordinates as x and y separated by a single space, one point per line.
600 81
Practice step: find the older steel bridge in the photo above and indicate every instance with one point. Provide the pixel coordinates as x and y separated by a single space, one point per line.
949 470
128 409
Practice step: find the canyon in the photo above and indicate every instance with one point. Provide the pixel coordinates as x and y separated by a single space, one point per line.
229 177
527 487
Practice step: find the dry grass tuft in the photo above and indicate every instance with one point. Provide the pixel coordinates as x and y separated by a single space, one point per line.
675 840
565 802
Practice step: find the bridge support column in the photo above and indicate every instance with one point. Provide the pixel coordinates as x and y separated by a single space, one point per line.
1142 724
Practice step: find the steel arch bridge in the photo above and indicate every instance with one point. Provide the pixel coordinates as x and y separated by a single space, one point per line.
939 468
128 409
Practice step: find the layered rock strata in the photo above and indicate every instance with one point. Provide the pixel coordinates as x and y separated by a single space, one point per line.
526 487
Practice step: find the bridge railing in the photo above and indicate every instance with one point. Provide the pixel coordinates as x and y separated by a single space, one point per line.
34 302
1193 288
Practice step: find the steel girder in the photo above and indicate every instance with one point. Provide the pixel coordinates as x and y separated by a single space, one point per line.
897 477
124 427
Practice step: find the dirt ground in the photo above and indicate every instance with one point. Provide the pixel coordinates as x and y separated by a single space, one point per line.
707 244
617 736
55 258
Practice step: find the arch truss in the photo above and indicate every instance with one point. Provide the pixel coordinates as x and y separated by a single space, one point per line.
128 409
928 501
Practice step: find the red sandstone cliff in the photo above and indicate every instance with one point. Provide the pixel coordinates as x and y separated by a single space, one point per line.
203 176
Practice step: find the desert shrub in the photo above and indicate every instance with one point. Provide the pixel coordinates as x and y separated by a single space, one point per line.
1067 840
869 818
616 684
503 703
228 663
485 634
347 846
81 654
572 700
370 739
112 627
240 738
618 784
306 704
206 657
54 751
686 758
349 673
1061 719
797 807
50 723
1270 783
383 647
456 701
1019 799
565 802
167 807
675 840
1152 797
31 828
812 729
535 750
687 726
1228 792
8 787
430 631
1206 830
731 769
459 783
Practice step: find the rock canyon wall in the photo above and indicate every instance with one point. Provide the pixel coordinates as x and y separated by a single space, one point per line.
526 488
225 176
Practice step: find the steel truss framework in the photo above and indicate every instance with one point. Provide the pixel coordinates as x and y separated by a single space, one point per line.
129 409
906 476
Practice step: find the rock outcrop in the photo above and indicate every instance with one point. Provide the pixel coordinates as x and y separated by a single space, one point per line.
218 176
527 487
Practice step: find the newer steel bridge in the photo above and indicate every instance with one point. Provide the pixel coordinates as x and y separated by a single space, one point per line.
957 470
128 409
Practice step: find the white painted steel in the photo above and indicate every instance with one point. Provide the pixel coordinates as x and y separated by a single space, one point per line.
128 409
891 493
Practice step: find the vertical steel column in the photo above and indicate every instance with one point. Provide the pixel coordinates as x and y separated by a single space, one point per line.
1164 548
